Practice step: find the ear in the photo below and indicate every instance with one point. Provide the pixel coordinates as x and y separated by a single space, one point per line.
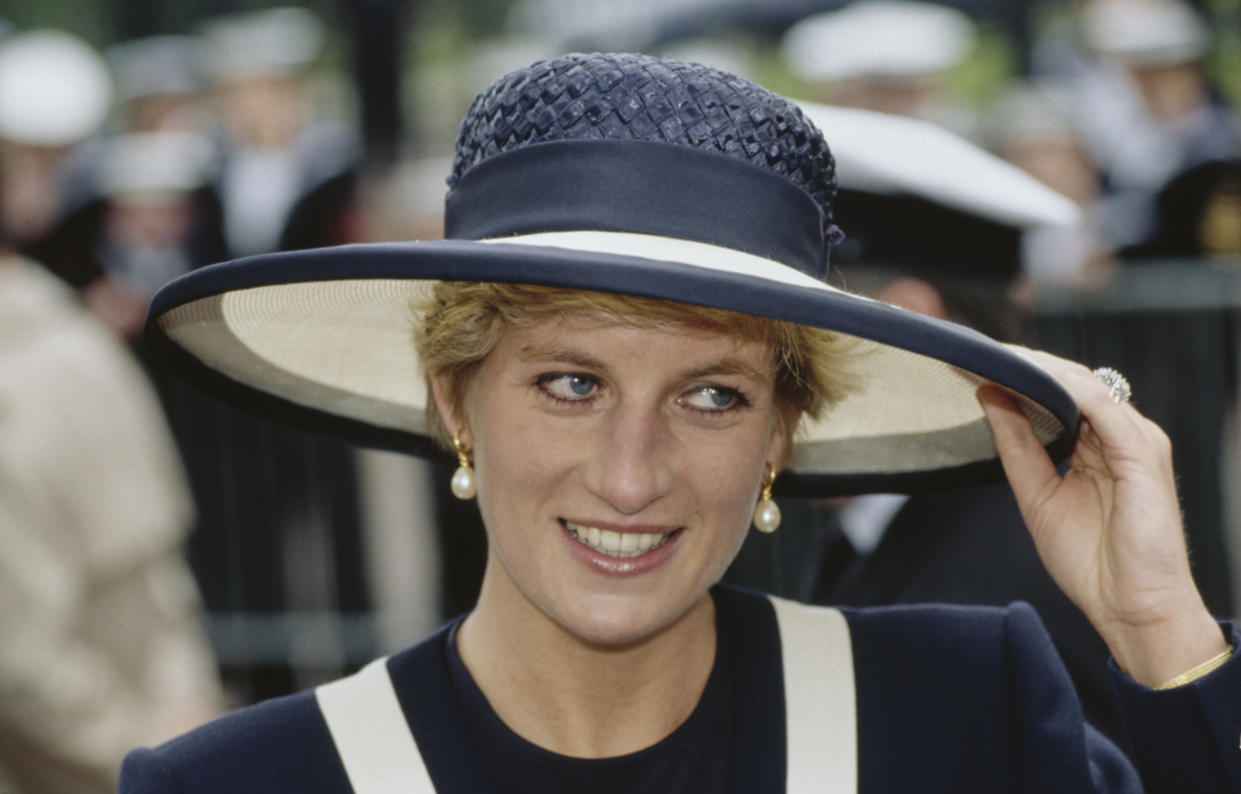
440 392
780 447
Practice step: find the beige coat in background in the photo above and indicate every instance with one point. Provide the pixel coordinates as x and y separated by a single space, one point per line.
100 643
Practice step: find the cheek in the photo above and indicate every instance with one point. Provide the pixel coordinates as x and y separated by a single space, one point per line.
516 458
727 481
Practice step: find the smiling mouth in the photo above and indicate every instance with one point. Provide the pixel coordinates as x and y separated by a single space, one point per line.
616 544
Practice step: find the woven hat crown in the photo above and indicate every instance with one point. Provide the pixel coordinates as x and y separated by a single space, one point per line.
624 96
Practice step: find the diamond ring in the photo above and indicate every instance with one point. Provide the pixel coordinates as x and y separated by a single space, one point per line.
1117 385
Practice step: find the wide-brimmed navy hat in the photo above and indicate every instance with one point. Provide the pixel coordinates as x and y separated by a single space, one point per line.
627 174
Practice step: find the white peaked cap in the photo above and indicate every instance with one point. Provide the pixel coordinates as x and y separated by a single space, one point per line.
54 89
878 38
889 154
260 42
1033 112
1145 31
156 65
154 162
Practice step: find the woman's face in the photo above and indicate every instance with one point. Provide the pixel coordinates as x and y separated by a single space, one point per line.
618 468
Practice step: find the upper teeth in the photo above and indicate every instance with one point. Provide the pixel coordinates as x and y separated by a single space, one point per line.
616 544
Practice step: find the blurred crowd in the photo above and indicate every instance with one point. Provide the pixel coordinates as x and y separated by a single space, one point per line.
179 150
1119 112
122 169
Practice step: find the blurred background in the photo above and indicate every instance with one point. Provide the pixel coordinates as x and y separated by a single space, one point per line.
145 138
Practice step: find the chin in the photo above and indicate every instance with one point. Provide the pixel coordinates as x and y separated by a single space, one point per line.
617 620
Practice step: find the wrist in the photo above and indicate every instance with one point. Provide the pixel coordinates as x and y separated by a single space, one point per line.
1200 671
1157 655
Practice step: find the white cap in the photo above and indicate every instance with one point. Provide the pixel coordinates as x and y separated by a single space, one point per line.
1035 112
1145 31
888 154
878 39
272 40
154 162
156 65
54 89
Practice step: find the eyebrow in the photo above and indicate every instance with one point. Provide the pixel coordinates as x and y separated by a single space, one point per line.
729 365
565 355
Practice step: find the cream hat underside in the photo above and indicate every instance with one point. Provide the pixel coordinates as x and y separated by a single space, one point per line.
346 346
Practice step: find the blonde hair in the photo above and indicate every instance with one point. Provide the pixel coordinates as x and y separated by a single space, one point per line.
461 322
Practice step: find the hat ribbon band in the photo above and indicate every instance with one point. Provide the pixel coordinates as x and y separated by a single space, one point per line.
644 187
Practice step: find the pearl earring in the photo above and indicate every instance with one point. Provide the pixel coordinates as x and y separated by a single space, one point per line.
463 483
767 514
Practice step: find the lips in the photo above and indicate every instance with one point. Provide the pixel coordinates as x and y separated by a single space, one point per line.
621 545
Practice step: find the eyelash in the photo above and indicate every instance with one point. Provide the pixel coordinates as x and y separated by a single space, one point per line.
543 382
738 402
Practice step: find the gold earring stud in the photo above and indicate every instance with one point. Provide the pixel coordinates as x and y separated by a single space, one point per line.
767 513
464 484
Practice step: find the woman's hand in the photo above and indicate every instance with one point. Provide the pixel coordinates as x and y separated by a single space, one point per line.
1109 531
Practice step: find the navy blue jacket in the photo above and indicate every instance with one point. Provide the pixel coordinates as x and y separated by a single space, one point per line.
949 699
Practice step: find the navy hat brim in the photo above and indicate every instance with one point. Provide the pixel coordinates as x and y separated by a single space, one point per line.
321 339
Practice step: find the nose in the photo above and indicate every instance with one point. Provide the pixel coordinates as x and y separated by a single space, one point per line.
631 468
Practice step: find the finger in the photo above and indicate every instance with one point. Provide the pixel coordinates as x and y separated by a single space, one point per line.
1119 427
1029 468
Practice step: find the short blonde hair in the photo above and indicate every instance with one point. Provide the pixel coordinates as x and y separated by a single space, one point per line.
461 321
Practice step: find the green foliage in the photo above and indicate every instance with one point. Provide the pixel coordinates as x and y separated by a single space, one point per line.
1226 58
89 19
988 68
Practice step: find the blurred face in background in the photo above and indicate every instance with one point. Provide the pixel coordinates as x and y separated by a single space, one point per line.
1061 163
1170 91
160 112
264 111
30 190
903 96
150 220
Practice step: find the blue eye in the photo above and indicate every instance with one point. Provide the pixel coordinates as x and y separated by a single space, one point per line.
568 386
714 398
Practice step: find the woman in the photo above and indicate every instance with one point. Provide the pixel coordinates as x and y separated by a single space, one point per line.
622 378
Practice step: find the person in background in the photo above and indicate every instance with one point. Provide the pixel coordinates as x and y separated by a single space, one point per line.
154 218
113 215
159 84
275 156
891 56
1146 106
100 640
1197 215
1032 126
55 93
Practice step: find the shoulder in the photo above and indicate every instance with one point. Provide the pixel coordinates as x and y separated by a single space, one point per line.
913 648
278 745
58 353
978 692
952 629
992 658
284 744
984 634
